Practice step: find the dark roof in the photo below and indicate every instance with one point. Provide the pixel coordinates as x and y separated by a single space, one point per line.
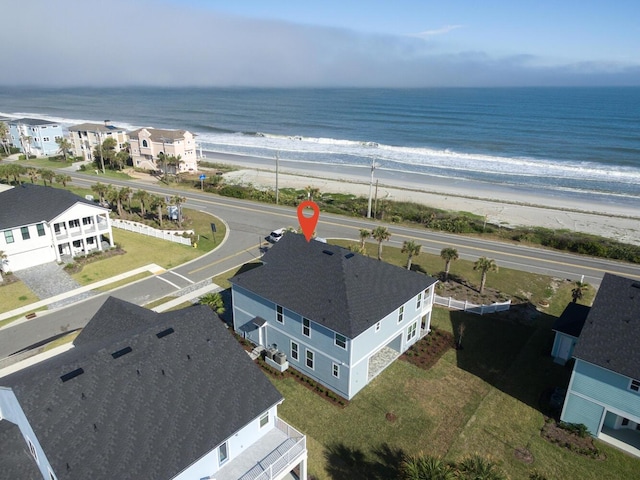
27 204
610 337
15 458
148 402
32 121
94 127
157 134
330 285
572 319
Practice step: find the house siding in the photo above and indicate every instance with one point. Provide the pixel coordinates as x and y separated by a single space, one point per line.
582 410
557 342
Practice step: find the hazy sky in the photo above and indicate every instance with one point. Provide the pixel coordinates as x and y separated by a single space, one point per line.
400 43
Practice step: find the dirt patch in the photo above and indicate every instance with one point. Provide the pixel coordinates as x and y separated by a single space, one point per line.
461 289
523 454
427 351
582 445
391 417
8 279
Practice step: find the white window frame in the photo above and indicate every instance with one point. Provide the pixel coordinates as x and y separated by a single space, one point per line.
312 359
24 231
401 314
8 237
412 331
634 385
279 314
40 229
335 340
335 370
419 301
378 326
264 419
224 447
306 327
295 352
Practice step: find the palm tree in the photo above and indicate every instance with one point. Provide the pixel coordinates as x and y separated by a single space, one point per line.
476 467
448 255
158 203
47 176
485 265
63 179
16 170
33 173
215 301
177 200
3 259
101 189
578 292
64 146
144 198
380 234
4 137
357 249
412 249
25 141
425 467
364 234
311 191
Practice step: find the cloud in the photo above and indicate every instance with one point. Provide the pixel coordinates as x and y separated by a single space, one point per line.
80 43
440 31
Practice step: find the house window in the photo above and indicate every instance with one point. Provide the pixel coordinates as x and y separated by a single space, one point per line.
32 449
401 314
264 419
223 453
635 385
294 350
310 356
8 236
378 327
411 332
306 327
75 223
25 233
279 315
336 370
341 341
145 143
45 139
87 221
419 301
56 228
625 422
40 228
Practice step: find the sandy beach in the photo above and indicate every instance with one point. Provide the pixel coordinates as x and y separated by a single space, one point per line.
503 206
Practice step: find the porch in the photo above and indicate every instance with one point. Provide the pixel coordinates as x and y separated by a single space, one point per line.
384 357
272 458
625 439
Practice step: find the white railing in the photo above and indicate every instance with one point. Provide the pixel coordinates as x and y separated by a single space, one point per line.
169 235
278 461
471 307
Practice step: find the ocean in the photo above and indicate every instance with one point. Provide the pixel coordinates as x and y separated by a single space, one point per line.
559 141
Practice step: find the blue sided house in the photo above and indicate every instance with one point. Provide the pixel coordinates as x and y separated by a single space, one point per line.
604 390
568 327
340 317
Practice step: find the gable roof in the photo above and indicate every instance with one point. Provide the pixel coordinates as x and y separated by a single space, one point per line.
27 204
94 127
32 122
157 134
330 285
572 319
15 457
610 337
183 388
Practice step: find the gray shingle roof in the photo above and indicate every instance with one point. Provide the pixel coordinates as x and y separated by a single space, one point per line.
158 134
32 121
572 319
610 337
94 127
27 204
152 411
344 291
15 459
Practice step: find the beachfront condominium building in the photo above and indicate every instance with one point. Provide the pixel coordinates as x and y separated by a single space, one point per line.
149 146
34 136
85 137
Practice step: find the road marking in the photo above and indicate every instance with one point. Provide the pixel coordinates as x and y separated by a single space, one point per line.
248 250
170 283
182 276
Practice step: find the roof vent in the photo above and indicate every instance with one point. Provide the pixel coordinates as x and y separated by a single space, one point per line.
327 252
349 255
72 374
164 333
121 352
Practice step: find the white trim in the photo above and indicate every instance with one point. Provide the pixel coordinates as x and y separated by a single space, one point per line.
334 367
297 351
313 359
301 342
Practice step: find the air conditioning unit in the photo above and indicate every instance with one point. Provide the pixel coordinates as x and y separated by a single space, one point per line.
280 358
270 352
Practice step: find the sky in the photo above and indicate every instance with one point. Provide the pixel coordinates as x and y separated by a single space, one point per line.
328 43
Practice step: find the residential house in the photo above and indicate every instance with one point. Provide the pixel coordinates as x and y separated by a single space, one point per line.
147 396
149 144
85 137
35 136
604 390
44 224
340 317
567 329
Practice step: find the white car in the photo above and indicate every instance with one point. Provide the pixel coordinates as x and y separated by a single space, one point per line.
276 235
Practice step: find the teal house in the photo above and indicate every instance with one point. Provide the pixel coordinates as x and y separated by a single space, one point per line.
567 328
604 390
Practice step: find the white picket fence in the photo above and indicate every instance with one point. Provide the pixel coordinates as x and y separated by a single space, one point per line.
471 307
169 235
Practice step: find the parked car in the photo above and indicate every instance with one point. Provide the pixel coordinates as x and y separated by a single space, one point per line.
275 235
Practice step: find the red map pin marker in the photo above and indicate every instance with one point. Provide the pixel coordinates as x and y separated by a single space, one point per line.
308 224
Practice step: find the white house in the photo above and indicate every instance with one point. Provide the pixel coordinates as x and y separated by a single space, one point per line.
85 137
149 144
339 317
44 224
35 136
147 396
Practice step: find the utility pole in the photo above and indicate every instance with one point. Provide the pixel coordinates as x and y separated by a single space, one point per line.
100 149
373 167
375 201
277 168
164 159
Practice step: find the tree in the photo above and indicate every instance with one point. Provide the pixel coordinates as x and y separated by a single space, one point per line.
485 265
144 198
311 191
357 248
47 176
364 234
105 153
3 259
578 292
175 162
381 234
4 137
25 141
412 249
101 190
64 146
34 174
125 194
63 179
425 467
158 203
448 255
178 200
215 301
476 467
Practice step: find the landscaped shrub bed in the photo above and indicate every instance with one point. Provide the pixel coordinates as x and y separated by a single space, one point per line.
574 437
427 351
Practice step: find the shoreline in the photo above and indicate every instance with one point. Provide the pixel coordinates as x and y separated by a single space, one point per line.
501 205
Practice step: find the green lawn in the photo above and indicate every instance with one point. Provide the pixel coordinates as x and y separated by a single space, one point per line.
15 295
